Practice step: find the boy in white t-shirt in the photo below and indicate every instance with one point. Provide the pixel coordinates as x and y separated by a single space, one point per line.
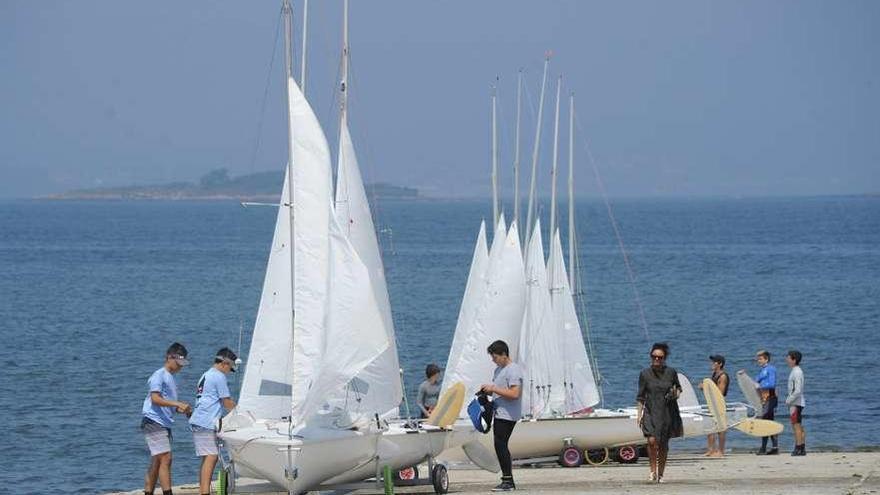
795 401
158 416
212 398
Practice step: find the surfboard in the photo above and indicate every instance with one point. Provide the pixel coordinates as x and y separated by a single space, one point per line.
446 411
716 403
749 389
759 427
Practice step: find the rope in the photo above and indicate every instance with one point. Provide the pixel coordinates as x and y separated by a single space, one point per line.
629 269
259 138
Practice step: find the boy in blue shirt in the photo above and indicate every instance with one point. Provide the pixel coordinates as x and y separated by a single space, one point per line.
767 389
158 416
212 397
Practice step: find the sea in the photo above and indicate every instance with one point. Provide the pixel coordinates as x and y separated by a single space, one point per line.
92 293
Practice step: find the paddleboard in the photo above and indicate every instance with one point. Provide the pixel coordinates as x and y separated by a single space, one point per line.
759 427
446 411
716 403
749 389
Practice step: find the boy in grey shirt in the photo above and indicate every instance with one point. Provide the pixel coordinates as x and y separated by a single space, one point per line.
795 401
506 389
429 390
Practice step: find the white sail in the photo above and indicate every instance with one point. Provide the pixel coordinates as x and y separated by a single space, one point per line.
355 329
266 388
311 213
376 389
498 315
578 380
539 351
473 293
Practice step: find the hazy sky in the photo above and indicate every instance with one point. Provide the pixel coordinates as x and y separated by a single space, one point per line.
675 98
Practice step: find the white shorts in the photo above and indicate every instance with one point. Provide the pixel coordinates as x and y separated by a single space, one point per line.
204 440
158 437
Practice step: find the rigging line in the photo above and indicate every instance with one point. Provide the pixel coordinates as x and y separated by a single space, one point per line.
629 270
260 120
580 294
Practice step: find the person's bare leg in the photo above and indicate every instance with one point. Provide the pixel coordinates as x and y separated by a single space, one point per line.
710 444
652 456
165 471
662 453
799 434
151 474
206 473
722 437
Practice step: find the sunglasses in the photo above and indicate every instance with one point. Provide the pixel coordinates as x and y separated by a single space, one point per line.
658 357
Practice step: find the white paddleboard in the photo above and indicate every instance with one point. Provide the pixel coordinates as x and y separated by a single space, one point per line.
749 389
715 402
481 456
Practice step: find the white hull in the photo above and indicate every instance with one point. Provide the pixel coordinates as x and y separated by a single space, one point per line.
604 428
326 455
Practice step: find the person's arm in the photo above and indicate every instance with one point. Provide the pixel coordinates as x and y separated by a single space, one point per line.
225 396
640 398
771 377
512 393
420 399
228 403
156 398
797 389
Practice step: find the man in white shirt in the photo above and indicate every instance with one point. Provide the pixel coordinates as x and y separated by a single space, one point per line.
795 401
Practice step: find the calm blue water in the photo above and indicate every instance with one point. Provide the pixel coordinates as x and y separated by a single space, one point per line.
91 294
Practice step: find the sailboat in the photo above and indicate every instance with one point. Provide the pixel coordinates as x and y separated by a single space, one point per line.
321 389
560 386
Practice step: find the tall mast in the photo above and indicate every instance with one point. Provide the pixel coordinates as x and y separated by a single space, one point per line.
516 150
571 233
554 171
288 76
535 149
494 154
343 86
302 72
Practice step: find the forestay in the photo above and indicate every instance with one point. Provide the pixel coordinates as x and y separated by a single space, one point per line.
579 382
539 352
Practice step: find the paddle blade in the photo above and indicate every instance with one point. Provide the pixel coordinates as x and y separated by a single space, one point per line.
446 411
759 427
481 456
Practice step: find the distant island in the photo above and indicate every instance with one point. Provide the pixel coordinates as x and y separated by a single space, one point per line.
217 184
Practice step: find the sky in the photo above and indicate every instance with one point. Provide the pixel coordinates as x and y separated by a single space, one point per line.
677 98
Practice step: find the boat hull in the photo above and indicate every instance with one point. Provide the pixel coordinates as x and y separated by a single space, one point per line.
533 438
310 457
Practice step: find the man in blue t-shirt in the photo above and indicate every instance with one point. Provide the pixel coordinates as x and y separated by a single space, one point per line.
158 415
212 397
767 389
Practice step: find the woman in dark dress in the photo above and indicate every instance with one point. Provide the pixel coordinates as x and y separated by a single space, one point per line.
658 408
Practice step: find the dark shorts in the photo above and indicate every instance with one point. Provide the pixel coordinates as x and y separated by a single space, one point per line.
796 414
769 411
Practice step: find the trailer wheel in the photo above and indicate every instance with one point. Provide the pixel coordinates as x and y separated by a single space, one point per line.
407 474
628 454
440 479
597 457
571 456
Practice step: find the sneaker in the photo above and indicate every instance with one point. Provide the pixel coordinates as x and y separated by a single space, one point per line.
773 451
505 486
660 479
799 452
761 452
652 477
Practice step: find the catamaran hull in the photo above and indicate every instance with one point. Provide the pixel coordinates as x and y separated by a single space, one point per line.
547 437
319 456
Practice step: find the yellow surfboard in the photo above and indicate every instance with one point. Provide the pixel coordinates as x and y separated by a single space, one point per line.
759 427
446 411
717 404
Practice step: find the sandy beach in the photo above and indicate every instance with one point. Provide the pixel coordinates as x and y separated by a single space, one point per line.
854 473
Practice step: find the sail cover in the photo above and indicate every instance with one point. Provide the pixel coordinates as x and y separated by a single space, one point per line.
539 351
473 293
377 388
578 380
